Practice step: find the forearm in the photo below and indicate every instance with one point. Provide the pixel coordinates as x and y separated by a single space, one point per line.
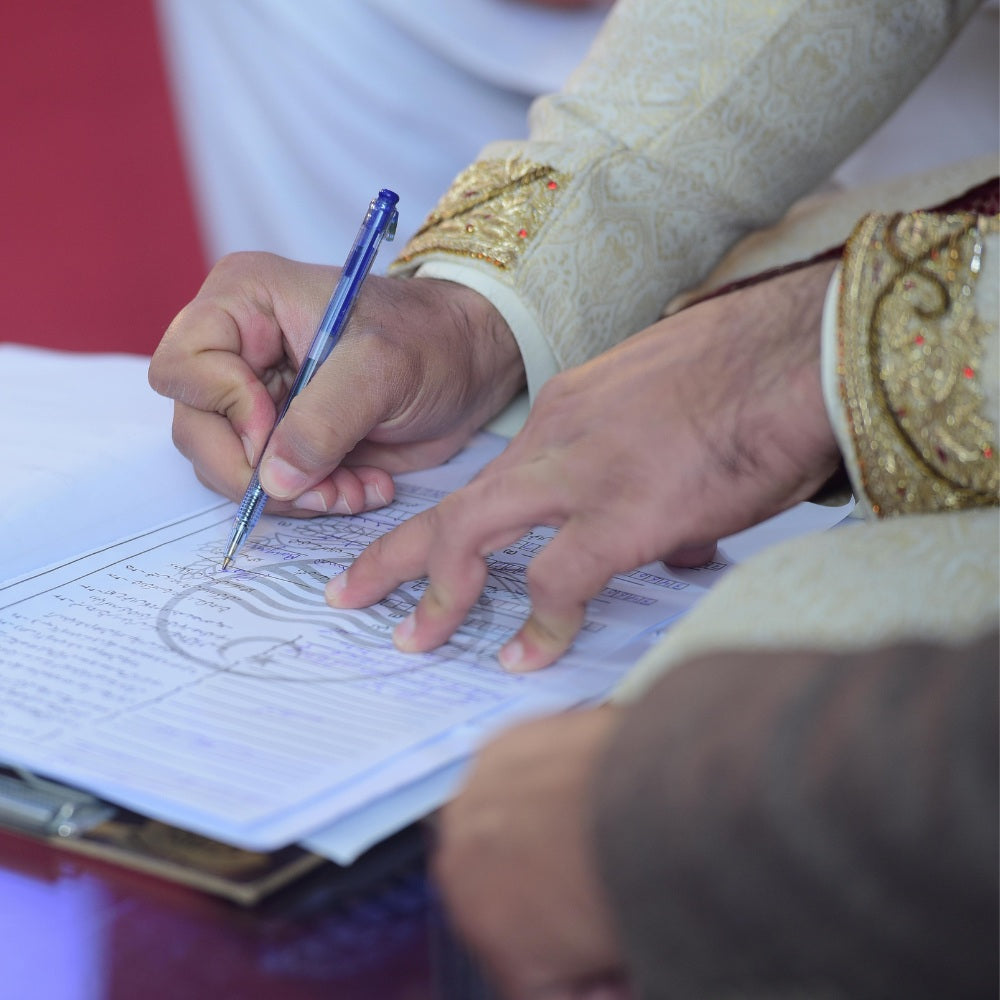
688 125
791 823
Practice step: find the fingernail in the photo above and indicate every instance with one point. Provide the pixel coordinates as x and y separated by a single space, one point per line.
341 506
313 500
403 632
335 586
280 479
373 497
511 656
248 449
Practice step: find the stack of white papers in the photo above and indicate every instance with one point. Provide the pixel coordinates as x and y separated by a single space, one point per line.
237 704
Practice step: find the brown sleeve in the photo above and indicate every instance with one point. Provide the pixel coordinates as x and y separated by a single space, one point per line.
809 824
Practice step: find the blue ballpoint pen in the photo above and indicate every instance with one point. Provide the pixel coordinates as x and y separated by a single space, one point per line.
379 222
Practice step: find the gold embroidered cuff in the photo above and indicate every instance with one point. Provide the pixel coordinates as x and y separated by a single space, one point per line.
491 212
910 351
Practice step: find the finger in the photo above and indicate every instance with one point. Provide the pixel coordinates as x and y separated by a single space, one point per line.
451 593
325 421
254 305
691 555
202 369
457 523
396 557
347 491
219 459
405 554
217 454
573 568
489 513
221 463
233 350
449 543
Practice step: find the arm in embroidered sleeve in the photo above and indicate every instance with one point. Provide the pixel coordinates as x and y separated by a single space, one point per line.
689 124
911 357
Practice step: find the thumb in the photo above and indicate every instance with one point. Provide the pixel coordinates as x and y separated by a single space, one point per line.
318 429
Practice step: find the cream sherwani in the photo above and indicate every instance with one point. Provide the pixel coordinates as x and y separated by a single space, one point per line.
690 124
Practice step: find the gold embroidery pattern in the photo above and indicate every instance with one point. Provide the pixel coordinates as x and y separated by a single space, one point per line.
910 362
491 212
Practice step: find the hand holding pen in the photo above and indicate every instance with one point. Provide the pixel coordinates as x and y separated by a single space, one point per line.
423 363
379 223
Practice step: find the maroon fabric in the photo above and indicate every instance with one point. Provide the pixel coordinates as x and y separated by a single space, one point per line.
984 199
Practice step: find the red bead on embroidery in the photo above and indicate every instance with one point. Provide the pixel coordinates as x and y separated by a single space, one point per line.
522 233
968 372
918 339
552 185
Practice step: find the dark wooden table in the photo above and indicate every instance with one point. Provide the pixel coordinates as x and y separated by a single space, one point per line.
73 928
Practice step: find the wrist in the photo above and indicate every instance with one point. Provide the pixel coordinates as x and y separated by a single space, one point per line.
494 359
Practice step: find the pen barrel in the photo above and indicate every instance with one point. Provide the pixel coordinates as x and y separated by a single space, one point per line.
379 223
252 505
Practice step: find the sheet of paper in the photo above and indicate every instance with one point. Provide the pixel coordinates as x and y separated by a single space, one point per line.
86 455
385 814
347 839
238 704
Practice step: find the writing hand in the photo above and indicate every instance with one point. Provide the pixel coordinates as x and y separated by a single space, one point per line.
701 426
420 367
517 868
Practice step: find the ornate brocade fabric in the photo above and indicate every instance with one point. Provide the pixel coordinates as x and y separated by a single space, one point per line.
491 209
911 347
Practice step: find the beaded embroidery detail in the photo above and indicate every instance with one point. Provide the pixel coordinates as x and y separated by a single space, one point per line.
910 362
491 211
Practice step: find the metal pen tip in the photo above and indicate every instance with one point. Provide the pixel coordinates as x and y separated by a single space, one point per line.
239 534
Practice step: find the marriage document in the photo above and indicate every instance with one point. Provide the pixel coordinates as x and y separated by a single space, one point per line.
239 705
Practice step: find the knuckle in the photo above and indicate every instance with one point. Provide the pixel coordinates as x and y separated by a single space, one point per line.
379 556
457 521
236 262
443 603
436 602
552 633
348 486
181 432
553 582
572 569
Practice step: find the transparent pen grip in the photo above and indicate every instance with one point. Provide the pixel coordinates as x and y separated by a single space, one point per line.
252 505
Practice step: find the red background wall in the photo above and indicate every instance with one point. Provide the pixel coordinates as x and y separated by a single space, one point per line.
98 241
